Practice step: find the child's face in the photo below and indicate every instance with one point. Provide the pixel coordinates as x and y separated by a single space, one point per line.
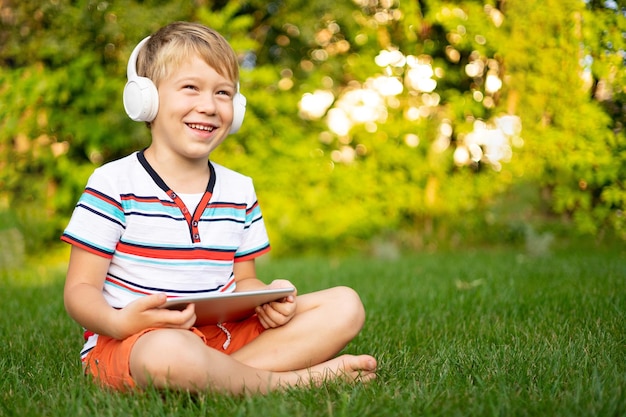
195 110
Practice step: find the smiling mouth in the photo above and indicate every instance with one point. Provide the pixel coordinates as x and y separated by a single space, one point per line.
206 128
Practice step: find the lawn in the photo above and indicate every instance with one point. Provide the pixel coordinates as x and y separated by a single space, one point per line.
490 332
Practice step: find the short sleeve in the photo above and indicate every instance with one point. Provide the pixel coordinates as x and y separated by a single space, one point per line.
97 222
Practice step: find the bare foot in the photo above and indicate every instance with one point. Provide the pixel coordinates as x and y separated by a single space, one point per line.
349 368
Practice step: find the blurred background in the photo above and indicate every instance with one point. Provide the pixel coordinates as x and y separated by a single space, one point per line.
372 126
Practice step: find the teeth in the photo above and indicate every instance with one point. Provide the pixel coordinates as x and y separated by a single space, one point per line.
201 127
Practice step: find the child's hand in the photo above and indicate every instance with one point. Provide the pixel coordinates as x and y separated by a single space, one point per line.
145 312
278 313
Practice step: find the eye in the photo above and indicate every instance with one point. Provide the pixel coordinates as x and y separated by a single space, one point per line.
227 93
190 87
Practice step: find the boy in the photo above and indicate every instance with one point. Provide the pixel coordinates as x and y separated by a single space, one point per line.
166 221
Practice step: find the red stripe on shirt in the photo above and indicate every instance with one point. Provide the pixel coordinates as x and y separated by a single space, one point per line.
103 197
252 255
78 243
162 253
128 287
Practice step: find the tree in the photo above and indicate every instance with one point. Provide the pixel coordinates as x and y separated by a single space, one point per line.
364 117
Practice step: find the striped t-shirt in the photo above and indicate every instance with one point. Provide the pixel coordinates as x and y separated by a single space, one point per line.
128 214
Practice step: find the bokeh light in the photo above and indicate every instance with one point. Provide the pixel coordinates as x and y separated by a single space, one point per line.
408 84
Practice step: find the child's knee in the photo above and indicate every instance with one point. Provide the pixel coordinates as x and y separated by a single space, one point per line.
350 305
162 354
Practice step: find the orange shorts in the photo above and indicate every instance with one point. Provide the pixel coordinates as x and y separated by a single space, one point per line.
109 361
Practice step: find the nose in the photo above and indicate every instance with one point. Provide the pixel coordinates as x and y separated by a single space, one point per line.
206 104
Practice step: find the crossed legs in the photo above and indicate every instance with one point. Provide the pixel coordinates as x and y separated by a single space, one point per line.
300 353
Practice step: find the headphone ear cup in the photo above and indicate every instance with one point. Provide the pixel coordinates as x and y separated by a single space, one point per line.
141 99
239 111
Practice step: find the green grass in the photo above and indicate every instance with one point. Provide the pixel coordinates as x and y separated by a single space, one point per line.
473 333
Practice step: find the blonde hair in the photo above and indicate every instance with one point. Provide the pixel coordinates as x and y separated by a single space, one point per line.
173 44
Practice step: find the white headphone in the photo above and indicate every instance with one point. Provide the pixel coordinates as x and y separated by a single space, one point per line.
141 98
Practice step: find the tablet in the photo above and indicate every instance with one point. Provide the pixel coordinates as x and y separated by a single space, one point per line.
224 307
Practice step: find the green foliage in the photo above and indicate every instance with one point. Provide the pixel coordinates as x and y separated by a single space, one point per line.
573 147
421 166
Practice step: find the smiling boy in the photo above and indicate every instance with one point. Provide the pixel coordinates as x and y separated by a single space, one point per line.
166 221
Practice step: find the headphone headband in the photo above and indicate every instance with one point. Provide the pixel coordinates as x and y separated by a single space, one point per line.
131 67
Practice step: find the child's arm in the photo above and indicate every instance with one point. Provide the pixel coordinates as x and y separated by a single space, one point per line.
86 305
274 314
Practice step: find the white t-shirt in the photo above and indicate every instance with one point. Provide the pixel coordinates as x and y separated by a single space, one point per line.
155 242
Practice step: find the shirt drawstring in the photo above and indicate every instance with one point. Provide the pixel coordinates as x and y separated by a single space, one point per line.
227 333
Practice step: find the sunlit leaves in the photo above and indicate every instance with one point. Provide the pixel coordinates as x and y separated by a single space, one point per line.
363 116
